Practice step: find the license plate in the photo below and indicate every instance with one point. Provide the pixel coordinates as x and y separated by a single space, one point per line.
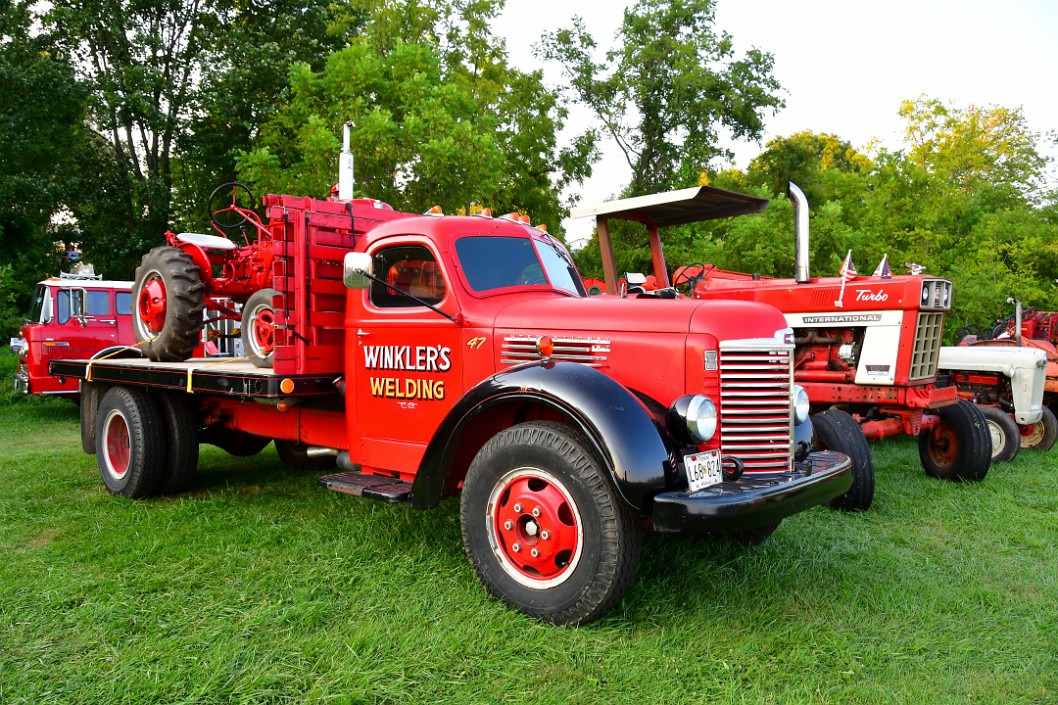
703 469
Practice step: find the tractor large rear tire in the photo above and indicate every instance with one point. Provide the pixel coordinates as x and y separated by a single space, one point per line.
1004 432
167 303
960 447
1041 435
837 430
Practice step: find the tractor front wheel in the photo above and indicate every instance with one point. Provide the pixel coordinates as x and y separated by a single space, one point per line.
1005 434
258 327
837 430
959 447
167 299
1041 434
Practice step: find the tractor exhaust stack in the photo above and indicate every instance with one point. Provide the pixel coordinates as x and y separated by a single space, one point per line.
345 167
801 254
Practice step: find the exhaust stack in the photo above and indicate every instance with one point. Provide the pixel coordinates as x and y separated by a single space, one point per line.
345 167
800 206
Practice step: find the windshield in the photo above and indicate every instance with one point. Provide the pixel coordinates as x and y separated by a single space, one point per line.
490 263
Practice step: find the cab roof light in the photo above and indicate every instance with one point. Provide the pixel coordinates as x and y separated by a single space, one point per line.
484 213
435 211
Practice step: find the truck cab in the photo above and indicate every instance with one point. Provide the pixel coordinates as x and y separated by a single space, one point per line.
73 316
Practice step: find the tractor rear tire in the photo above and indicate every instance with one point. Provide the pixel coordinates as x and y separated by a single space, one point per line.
1004 432
837 430
959 448
168 299
258 327
1041 435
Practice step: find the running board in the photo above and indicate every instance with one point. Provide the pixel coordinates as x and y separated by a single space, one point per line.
387 489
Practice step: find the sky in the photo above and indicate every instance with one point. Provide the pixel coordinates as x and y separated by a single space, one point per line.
845 65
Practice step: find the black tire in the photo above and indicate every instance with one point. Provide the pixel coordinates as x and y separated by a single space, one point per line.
1041 435
837 430
295 455
1003 432
589 566
234 441
960 447
167 303
130 442
181 425
258 327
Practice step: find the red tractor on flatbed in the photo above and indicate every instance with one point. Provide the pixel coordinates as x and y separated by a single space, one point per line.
429 356
866 350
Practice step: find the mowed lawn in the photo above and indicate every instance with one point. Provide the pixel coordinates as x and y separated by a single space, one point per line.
259 587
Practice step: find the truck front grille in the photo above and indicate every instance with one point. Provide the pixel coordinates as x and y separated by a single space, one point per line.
928 333
755 417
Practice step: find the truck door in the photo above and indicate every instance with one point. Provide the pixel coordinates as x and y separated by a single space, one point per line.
86 321
405 370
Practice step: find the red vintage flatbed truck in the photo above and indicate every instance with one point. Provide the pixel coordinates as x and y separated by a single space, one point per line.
434 356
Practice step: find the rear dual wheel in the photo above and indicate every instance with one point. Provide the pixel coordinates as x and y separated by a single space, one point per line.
959 447
543 526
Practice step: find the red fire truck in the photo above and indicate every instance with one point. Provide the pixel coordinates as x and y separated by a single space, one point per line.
867 347
75 316
427 356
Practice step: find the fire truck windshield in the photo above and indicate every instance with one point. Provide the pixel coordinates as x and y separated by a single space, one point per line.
491 263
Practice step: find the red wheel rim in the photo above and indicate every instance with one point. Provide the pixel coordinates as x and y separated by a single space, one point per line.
152 304
944 446
535 528
264 330
117 445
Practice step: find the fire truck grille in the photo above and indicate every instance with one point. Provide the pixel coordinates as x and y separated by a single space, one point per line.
755 383
589 351
924 356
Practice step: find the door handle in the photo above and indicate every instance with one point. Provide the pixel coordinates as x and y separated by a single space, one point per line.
361 333
108 320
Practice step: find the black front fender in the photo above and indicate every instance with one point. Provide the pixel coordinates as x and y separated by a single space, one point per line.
607 414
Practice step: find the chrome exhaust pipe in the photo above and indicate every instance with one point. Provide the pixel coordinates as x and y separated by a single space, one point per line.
801 255
345 166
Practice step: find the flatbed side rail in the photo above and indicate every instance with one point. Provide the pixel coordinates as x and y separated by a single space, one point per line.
240 379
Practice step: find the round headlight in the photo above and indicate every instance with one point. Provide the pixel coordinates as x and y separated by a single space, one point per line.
925 294
693 418
800 405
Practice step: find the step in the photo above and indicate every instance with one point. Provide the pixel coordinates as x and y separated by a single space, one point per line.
388 489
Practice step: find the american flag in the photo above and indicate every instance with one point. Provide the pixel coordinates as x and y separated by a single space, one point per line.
848 269
883 269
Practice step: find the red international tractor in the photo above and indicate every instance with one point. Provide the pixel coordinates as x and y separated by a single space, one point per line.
867 347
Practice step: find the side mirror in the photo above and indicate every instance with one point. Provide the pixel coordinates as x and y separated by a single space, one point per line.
356 268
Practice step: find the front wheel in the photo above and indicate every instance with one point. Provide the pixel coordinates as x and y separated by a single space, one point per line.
167 303
258 327
1041 434
837 430
959 447
543 526
1004 433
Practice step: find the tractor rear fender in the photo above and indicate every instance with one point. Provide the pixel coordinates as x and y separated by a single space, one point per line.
633 448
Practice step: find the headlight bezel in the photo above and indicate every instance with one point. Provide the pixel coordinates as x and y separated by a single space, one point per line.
693 418
800 404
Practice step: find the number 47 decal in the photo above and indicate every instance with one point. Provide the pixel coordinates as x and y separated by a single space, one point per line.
475 343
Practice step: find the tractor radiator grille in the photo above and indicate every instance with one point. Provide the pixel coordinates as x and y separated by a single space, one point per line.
755 417
928 335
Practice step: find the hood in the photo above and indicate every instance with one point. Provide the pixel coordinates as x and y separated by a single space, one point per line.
725 320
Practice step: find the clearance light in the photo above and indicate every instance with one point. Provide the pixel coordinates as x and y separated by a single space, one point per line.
484 213
542 227
545 347
435 211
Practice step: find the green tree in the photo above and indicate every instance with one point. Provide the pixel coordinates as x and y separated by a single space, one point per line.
669 89
41 111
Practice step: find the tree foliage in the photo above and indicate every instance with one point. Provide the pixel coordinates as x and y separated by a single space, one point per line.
669 89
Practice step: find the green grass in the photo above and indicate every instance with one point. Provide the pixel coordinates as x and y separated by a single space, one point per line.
258 587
